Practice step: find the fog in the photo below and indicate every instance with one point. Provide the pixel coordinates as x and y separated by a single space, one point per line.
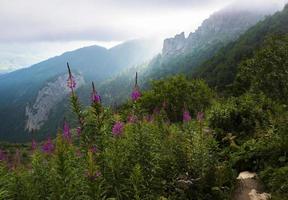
34 30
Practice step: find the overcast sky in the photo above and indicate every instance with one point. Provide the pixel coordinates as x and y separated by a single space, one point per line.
33 30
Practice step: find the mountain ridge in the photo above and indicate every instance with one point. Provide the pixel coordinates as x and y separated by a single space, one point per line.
180 54
24 87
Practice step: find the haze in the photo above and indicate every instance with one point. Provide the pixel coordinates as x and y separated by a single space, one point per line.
34 30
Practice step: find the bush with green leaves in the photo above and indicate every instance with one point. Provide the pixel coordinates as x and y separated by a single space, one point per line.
276 180
267 71
240 116
175 93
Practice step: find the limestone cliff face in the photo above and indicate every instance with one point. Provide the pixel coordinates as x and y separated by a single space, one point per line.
223 26
51 94
174 46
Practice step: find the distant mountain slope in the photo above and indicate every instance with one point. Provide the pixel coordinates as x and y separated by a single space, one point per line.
220 70
182 55
30 96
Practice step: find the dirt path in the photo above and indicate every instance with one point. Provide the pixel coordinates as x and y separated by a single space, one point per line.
249 188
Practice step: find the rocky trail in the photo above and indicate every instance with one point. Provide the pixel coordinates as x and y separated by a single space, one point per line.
249 188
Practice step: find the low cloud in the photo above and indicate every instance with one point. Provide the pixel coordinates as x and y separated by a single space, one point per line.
97 20
28 24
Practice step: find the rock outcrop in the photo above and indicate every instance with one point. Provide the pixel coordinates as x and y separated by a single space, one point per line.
174 46
249 188
51 94
221 27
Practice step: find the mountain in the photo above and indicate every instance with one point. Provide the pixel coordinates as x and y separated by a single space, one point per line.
220 70
221 27
2 72
183 55
37 93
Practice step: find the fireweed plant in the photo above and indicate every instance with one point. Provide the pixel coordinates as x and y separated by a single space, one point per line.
177 140
131 154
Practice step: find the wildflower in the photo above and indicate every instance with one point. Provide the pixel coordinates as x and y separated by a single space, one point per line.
93 149
48 146
2 155
136 94
132 119
200 116
66 131
78 130
33 145
117 128
93 176
95 98
71 83
186 116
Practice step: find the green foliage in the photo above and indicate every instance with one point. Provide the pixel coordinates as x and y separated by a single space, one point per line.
156 156
176 93
149 160
240 116
267 71
269 148
276 179
220 71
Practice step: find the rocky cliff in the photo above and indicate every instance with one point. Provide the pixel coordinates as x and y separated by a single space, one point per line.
223 26
174 46
49 96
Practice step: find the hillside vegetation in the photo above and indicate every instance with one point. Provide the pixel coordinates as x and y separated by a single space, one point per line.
177 140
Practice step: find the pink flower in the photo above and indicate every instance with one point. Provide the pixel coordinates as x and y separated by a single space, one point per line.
71 83
95 98
93 149
48 147
117 129
66 131
136 94
132 119
186 116
93 176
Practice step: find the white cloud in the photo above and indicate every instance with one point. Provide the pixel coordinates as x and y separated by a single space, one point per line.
36 20
32 30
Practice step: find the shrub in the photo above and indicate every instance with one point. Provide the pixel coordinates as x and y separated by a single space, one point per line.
276 180
267 71
240 116
175 93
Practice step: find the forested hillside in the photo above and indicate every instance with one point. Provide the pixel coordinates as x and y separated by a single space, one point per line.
220 71
187 55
